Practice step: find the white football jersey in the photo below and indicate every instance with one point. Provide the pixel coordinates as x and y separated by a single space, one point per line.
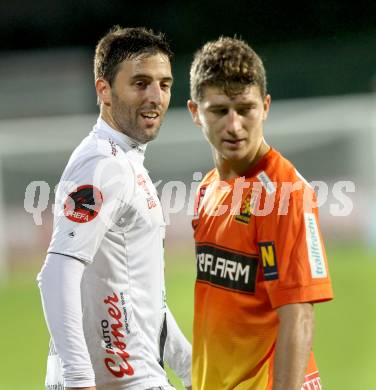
108 215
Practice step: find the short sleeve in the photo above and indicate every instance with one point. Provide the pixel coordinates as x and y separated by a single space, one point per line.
92 195
292 253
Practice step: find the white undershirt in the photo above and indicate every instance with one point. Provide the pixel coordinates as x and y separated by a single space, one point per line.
59 283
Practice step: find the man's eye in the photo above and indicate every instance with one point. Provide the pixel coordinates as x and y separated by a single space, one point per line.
140 84
220 111
166 86
245 110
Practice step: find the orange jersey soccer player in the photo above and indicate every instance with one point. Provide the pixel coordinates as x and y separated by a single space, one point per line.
261 262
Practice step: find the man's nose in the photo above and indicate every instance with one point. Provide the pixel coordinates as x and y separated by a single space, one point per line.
154 94
233 121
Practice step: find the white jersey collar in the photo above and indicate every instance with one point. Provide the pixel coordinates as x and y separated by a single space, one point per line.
128 144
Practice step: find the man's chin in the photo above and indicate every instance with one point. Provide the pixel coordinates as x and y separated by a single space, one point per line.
149 134
234 155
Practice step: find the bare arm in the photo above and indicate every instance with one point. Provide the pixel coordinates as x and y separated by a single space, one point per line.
294 343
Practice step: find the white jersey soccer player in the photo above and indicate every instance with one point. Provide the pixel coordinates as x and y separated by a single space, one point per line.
109 229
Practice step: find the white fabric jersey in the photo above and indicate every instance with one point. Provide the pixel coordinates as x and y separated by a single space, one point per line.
108 215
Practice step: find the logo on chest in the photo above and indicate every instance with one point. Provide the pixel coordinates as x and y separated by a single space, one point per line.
246 208
224 268
151 202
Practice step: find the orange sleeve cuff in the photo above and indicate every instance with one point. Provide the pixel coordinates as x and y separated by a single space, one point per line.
314 293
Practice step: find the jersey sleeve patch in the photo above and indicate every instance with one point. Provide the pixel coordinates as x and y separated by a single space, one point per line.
83 204
269 260
315 253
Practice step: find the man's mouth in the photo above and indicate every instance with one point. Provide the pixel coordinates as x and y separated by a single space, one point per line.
233 142
150 115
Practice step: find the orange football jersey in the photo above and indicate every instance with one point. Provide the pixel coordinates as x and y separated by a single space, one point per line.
258 247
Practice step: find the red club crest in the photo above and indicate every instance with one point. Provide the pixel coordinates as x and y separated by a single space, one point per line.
83 204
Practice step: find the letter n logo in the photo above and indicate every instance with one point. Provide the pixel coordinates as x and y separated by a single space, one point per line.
268 259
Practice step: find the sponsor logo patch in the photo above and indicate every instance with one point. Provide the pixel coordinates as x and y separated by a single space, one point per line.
315 253
113 331
246 209
266 182
312 382
269 260
198 202
83 204
141 181
223 268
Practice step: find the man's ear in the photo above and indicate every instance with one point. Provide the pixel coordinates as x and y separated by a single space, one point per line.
193 109
267 102
103 89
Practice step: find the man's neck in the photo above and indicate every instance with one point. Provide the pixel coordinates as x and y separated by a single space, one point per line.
109 120
231 169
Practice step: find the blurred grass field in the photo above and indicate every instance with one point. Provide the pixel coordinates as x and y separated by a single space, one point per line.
345 339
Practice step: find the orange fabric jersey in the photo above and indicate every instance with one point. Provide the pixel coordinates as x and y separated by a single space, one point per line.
258 247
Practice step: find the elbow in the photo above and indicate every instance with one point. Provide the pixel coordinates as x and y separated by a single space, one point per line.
41 277
44 278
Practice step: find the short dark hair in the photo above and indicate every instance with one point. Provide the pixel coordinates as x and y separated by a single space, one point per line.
120 44
228 63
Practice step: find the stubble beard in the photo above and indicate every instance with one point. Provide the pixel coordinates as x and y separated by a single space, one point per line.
126 121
